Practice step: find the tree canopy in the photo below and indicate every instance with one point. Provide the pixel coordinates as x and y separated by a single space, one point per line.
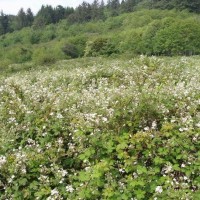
85 12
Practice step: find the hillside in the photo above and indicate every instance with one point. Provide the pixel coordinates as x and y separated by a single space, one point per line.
148 32
85 12
99 128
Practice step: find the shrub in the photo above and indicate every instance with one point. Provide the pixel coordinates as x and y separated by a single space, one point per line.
35 37
43 56
18 54
100 46
98 128
48 35
70 50
131 41
179 38
79 42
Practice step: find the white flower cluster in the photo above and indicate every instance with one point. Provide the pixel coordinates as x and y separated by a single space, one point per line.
159 189
55 195
69 188
2 160
91 98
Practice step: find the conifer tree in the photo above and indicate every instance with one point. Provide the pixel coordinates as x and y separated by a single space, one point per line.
21 19
113 7
29 17
4 23
44 16
97 10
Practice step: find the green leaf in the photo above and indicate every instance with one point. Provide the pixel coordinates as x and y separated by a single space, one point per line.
83 176
176 167
141 170
22 181
34 185
158 160
140 194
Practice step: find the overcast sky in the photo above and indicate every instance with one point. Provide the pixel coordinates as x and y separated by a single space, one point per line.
13 6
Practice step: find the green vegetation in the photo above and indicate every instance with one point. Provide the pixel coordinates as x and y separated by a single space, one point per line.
149 32
88 109
99 128
86 12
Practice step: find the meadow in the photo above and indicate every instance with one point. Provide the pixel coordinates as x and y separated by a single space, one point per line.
101 128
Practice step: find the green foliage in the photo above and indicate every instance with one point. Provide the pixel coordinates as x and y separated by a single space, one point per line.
43 56
100 46
87 12
48 35
192 6
4 24
19 54
149 32
96 128
79 42
44 16
180 37
35 37
70 50
113 7
164 35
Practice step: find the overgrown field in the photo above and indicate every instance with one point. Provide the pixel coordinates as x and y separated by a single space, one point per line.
101 129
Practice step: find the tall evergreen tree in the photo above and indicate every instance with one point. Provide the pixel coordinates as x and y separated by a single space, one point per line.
129 5
44 16
68 11
101 8
29 17
4 23
193 5
84 12
59 13
97 10
113 7
21 19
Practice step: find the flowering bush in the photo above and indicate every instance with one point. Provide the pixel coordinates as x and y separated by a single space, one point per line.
102 129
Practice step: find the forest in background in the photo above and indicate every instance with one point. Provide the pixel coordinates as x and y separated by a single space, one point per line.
86 12
127 28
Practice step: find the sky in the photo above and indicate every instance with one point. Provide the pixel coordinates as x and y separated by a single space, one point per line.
13 6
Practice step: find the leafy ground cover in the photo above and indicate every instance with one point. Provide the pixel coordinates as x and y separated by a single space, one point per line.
96 128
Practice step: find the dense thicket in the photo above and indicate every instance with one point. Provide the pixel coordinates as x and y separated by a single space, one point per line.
97 128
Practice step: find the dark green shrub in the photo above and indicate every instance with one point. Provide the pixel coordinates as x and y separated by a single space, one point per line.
100 46
35 38
43 56
70 50
80 43
49 34
18 54
17 39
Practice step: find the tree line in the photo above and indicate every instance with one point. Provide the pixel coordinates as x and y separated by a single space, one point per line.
85 12
147 32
